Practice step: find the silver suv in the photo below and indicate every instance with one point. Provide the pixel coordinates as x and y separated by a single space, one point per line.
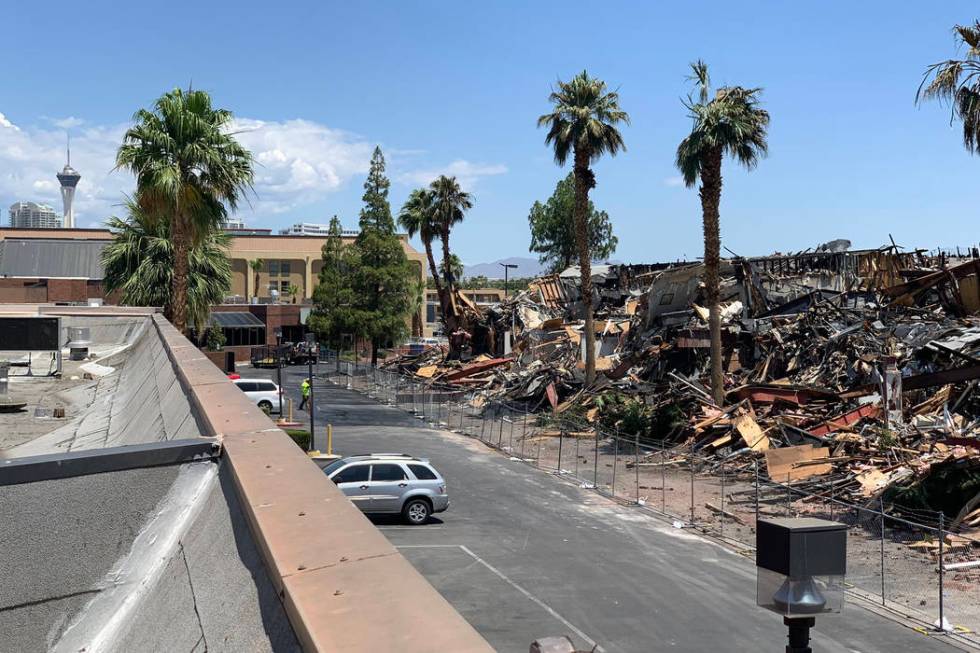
391 483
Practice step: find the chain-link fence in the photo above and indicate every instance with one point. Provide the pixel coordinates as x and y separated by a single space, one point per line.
891 560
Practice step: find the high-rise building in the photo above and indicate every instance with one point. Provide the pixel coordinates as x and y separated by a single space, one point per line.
68 178
233 224
313 229
31 215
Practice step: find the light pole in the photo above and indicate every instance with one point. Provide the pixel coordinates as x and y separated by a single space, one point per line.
507 268
311 343
278 333
801 565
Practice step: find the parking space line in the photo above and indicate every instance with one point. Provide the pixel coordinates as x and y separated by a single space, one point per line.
547 608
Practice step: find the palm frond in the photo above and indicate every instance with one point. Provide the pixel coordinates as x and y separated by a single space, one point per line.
584 117
732 123
956 82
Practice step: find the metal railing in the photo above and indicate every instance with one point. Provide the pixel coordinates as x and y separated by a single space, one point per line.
891 560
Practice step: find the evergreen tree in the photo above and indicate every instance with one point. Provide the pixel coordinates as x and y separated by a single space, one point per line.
553 229
333 297
383 280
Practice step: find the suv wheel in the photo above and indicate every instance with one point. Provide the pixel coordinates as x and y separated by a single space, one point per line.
266 407
416 511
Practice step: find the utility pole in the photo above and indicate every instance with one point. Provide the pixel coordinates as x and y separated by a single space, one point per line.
507 268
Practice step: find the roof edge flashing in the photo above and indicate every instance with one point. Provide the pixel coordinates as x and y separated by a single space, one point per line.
46 467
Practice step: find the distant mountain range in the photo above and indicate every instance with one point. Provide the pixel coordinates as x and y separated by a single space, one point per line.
526 267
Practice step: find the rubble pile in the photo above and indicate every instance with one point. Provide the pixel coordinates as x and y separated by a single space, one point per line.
847 372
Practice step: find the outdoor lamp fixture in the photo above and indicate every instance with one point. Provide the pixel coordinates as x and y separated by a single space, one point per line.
801 565
278 334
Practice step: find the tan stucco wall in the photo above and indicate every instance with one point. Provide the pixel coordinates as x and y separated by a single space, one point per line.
303 253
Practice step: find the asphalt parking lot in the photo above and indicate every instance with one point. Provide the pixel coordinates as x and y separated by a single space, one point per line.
522 554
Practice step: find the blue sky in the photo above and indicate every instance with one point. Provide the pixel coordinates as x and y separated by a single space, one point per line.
457 87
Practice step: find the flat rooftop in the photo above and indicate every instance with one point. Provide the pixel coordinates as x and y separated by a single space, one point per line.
164 511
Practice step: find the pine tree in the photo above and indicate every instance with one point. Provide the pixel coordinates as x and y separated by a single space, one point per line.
333 297
553 229
383 280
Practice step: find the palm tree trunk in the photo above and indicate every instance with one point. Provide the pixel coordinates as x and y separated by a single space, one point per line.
440 290
584 181
433 268
710 201
181 270
450 315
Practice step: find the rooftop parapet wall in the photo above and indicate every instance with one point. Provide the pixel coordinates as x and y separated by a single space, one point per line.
344 586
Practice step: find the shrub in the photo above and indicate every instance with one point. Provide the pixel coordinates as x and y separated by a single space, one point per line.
301 437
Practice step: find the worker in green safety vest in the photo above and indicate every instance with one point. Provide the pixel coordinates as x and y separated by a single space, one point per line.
305 389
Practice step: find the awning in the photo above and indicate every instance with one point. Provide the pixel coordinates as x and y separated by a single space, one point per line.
235 319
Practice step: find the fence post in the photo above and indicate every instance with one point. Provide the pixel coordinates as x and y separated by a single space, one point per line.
833 487
722 501
755 465
510 442
663 478
691 465
615 461
561 442
942 537
523 432
500 431
595 461
636 465
789 498
881 511
577 456
524 435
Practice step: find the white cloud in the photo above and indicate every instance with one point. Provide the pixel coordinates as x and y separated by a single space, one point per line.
298 163
30 158
466 172
674 182
68 123
4 123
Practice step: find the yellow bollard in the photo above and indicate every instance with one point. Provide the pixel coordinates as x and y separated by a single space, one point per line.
289 403
329 439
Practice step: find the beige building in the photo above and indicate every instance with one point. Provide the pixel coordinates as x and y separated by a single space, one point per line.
286 260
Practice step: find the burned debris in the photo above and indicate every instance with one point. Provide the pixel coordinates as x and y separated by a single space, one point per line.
856 370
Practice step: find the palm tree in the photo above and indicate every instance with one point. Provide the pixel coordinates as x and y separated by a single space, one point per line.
416 217
139 263
957 81
188 166
455 268
293 290
256 264
731 123
449 206
583 123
